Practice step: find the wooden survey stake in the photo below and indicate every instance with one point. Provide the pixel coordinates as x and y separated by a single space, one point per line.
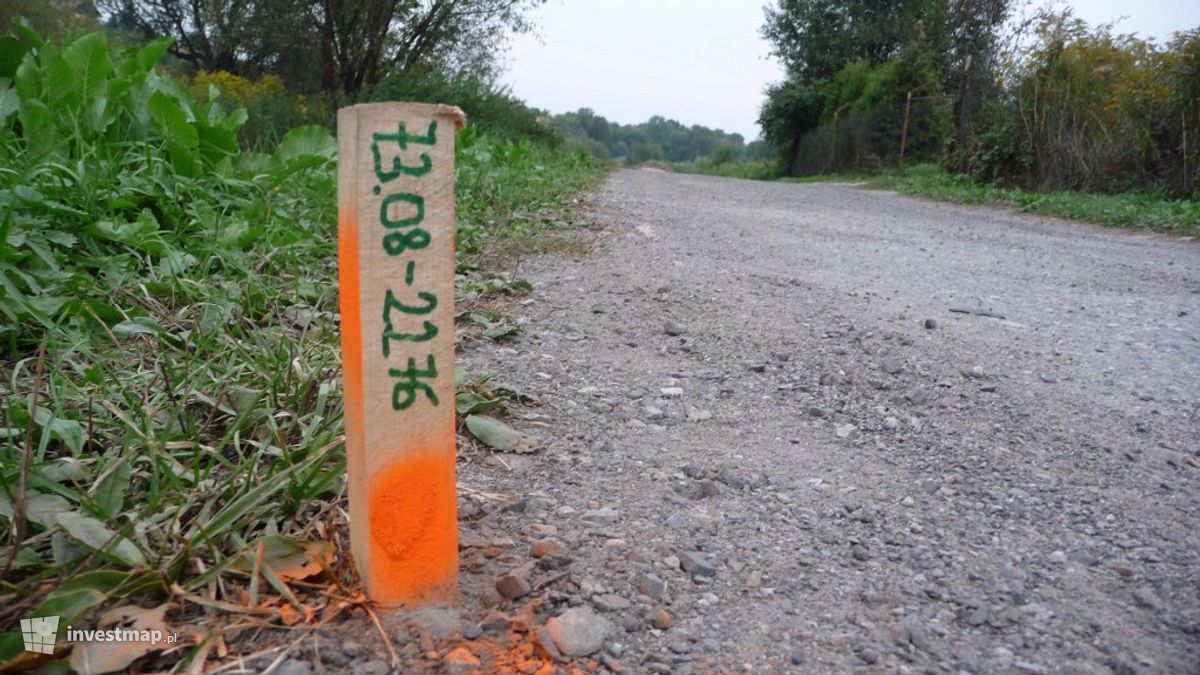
396 272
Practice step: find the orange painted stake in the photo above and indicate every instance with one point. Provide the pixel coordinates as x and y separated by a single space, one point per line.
396 228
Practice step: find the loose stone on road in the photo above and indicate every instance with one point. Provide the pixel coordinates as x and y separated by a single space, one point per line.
973 454
822 429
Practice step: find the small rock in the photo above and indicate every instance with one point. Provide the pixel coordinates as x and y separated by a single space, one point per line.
845 431
661 619
697 414
652 587
545 547
372 667
293 667
892 365
817 411
1146 597
653 413
543 645
674 328
513 586
604 515
978 616
1058 558
708 488
672 392
732 479
974 372
797 657
494 622
578 631
930 324
460 661
473 632
611 603
695 564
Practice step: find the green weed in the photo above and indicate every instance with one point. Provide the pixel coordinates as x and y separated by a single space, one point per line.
171 406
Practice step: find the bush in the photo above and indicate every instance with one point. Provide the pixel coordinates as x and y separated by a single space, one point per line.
491 109
271 110
1095 111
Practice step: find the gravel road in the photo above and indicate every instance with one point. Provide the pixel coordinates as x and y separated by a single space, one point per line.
822 429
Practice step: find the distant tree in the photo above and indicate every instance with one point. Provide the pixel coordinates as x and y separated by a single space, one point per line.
815 38
341 46
49 17
657 138
832 49
723 154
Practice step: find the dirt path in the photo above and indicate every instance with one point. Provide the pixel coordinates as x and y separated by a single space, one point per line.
766 425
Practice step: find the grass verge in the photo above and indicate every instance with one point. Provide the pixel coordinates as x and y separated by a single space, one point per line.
1138 210
170 427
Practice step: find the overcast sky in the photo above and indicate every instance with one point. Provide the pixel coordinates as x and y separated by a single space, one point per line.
701 61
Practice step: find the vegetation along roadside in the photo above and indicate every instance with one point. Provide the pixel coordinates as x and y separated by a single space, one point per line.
170 427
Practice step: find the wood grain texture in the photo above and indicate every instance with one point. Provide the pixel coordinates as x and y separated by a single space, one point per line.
396 228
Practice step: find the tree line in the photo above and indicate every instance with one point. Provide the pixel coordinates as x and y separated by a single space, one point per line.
658 139
987 87
292 62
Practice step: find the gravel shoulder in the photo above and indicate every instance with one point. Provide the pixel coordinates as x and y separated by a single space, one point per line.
821 429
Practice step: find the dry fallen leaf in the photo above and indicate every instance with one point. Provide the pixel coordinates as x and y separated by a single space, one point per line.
289 558
93 656
289 615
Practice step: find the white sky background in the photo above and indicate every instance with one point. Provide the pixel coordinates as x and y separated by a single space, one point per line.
701 61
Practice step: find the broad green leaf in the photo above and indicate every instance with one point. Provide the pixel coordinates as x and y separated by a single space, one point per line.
9 103
181 136
38 127
13 657
112 486
26 32
252 163
60 93
141 234
26 557
66 551
69 432
88 58
308 141
40 508
496 434
100 537
28 78
141 325
150 54
470 403
216 143
11 53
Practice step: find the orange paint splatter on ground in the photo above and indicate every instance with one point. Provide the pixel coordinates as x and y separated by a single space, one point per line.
414 530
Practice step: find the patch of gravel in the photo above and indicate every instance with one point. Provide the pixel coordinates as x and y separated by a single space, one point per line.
771 445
